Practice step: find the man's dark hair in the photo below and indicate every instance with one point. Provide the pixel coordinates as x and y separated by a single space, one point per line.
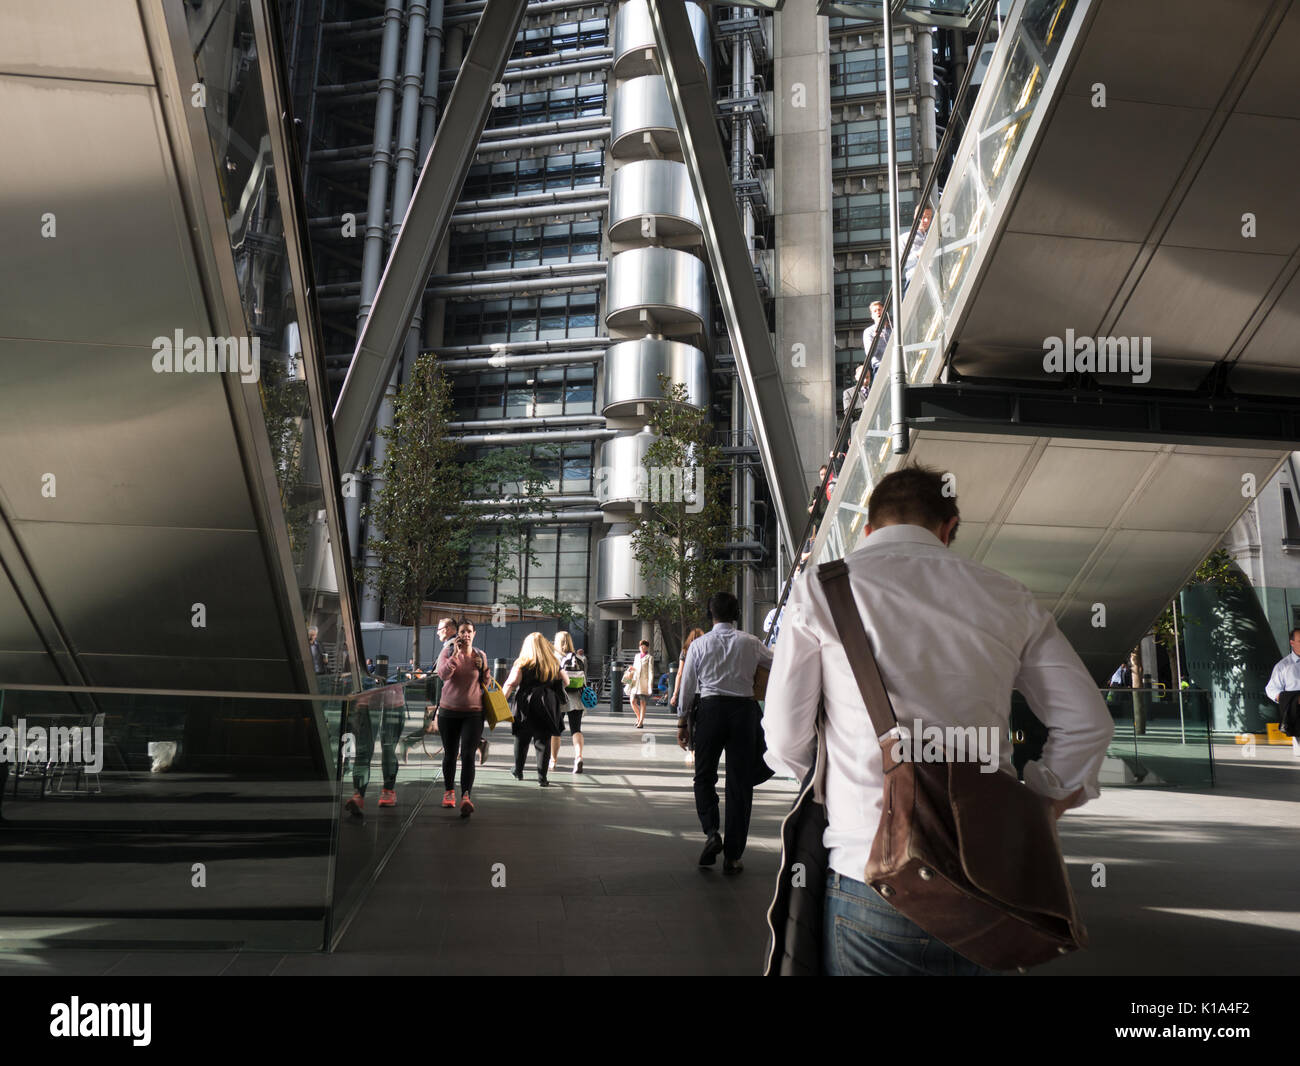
724 607
1291 636
912 496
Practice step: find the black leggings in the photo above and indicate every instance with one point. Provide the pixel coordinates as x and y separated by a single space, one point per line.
460 734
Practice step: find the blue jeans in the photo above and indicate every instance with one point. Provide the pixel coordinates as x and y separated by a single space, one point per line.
865 937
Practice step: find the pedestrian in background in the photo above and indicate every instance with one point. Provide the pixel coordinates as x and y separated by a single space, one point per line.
537 683
720 668
464 674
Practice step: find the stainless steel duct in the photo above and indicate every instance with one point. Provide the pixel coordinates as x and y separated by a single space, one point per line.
632 370
657 289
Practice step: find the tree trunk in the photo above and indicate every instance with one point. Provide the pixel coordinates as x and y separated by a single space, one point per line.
1140 698
415 639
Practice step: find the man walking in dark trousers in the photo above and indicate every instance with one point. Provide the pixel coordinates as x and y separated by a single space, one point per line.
720 668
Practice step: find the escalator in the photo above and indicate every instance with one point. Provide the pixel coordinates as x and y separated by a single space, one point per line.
1107 200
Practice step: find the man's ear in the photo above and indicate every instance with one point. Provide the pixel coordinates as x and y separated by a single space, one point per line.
948 529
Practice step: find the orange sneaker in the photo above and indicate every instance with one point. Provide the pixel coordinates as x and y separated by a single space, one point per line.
449 798
356 806
388 798
466 806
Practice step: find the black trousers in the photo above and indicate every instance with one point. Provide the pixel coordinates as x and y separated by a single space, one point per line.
726 724
460 736
541 745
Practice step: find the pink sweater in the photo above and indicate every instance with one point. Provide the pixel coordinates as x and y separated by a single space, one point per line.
461 689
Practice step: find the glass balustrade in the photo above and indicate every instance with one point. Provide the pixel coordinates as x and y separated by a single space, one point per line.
939 274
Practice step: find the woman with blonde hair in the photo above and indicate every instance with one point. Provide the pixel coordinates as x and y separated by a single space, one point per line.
571 663
537 682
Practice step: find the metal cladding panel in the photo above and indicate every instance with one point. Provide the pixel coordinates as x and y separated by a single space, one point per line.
656 189
1273 345
667 283
1242 175
618 574
634 37
1182 53
117 269
101 41
1083 523
624 481
632 370
1194 302
641 106
1272 88
122 443
1082 184
133 590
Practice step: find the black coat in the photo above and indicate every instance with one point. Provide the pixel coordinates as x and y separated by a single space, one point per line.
794 920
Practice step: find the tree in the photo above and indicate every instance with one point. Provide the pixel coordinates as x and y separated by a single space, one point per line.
678 533
1219 569
514 480
418 505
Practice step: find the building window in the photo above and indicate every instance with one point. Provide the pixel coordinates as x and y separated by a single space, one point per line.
560 572
523 318
855 290
570 170
861 143
1290 519
497 249
549 105
863 217
862 71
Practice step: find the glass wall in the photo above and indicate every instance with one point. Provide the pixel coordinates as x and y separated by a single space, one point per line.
163 819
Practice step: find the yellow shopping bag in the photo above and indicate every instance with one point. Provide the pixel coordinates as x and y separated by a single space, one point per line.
496 708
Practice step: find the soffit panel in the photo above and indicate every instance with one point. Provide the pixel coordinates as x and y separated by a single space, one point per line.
1194 302
1079 487
1039 285
1272 88
1240 176
1044 558
1193 493
1113 188
1197 59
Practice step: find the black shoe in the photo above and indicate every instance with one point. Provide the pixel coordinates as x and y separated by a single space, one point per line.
712 848
518 775
544 783
732 866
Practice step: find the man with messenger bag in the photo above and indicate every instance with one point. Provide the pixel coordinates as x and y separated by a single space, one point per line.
912 848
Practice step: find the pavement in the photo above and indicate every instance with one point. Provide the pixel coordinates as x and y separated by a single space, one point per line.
597 875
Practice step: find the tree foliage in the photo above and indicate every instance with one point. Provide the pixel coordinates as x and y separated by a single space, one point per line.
418 499
1218 569
677 535
514 480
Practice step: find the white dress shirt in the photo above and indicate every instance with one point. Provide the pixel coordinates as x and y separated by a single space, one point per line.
722 662
1285 677
952 639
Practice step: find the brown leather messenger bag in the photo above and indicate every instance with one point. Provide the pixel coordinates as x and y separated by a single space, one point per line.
972 858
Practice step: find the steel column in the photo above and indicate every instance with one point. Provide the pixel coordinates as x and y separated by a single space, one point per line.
729 257
411 262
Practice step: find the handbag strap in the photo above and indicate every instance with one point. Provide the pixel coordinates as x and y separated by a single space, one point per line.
834 577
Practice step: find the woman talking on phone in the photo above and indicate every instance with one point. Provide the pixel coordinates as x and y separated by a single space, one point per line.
464 673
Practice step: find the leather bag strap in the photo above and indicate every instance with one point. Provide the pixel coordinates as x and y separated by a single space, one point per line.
834 577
